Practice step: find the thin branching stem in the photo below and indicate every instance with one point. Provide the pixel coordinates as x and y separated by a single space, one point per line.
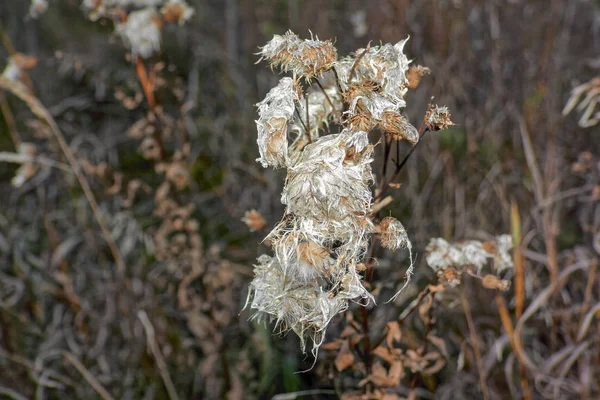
337 114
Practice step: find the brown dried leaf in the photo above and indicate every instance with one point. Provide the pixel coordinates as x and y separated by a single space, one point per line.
439 343
345 358
393 333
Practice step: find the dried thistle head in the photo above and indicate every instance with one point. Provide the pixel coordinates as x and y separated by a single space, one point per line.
438 118
385 65
321 243
275 113
330 180
320 112
450 261
308 58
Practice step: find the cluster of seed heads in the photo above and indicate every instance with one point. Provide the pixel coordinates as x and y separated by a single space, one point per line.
319 246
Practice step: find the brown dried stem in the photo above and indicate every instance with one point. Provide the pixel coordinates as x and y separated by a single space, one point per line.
19 90
475 344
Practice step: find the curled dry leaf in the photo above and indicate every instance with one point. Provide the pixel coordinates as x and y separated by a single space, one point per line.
345 357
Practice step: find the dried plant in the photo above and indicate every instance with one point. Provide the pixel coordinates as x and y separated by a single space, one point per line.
321 243
586 106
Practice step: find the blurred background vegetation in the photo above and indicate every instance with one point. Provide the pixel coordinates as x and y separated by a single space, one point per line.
75 324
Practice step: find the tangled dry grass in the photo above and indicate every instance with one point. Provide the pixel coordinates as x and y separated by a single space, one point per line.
127 164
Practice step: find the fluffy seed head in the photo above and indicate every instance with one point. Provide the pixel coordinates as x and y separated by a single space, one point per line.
304 57
438 118
141 32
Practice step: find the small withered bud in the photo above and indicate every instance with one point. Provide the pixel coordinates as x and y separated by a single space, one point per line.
178 175
450 277
398 127
414 75
308 58
493 282
437 118
177 11
254 220
150 149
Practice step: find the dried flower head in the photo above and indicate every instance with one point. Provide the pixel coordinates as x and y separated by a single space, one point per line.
437 118
320 111
275 113
393 234
304 57
141 32
384 65
450 261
